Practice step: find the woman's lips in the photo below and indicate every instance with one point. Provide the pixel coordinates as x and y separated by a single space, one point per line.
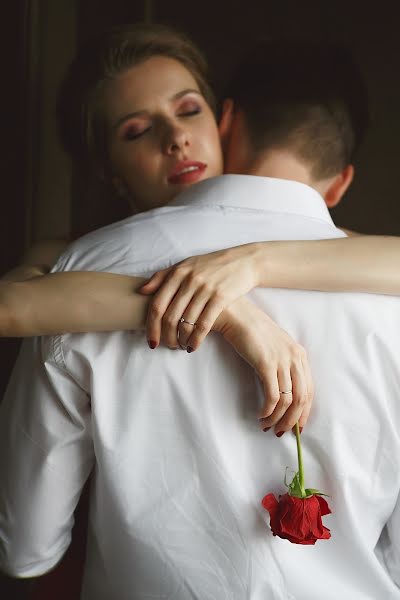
187 171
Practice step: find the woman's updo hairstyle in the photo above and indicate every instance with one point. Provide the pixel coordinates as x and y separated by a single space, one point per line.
80 114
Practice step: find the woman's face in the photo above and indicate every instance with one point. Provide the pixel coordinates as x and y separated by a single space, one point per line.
162 134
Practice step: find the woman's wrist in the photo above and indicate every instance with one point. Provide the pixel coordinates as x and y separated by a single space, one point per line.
281 263
230 316
262 258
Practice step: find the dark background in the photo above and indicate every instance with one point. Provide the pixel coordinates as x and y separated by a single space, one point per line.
223 29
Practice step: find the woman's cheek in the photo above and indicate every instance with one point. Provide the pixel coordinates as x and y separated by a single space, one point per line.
135 163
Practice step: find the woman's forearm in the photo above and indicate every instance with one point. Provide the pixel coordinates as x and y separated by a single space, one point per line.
92 301
37 260
71 302
361 263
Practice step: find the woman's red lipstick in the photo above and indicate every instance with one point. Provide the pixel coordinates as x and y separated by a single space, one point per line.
187 171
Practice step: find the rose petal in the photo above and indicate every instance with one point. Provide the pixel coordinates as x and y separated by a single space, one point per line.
297 519
270 503
325 510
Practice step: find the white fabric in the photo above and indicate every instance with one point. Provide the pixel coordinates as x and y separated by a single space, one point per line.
180 465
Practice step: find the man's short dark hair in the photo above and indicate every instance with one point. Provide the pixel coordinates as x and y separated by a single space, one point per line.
307 97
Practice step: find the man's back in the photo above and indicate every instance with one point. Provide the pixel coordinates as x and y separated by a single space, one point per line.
180 463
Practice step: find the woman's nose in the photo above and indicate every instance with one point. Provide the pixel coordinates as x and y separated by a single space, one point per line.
176 138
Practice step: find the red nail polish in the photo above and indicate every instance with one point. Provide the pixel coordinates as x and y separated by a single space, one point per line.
280 434
189 349
152 344
300 429
267 429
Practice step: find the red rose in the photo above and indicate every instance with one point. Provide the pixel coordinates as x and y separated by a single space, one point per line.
297 519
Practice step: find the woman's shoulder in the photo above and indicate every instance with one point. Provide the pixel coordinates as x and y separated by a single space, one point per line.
350 232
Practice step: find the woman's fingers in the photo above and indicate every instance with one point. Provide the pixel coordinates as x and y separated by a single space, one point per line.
159 305
283 397
203 313
152 285
298 399
285 374
200 309
178 297
268 376
171 325
214 280
295 395
280 363
208 314
193 310
310 393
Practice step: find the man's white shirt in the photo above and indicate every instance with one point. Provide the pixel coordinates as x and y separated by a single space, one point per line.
179 463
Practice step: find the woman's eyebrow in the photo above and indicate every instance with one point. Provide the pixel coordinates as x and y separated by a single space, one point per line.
139 113
184 92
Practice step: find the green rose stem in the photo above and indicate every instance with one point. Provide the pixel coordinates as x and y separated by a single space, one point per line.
300 461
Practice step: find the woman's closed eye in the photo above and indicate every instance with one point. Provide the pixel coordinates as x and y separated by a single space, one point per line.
191 113
189 109
133 132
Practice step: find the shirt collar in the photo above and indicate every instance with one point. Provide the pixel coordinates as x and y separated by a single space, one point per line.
256 193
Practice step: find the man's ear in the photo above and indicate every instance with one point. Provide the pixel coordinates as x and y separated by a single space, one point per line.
339 186
225 121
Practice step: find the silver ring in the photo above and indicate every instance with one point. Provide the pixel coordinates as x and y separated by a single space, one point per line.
182 320
288 392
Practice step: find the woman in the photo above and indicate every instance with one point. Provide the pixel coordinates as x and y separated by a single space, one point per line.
117 144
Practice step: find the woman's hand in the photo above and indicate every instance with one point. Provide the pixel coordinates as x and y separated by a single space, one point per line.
280 363
199 289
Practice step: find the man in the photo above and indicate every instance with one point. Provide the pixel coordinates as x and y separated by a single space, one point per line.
180 465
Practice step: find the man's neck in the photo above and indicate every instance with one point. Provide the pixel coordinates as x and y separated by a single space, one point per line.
281 165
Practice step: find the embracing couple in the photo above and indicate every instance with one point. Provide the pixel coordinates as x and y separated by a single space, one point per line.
183 445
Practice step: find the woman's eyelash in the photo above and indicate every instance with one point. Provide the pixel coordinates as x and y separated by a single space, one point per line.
132 135
129 134
190 113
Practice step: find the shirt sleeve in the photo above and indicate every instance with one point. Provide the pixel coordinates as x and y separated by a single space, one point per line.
46 455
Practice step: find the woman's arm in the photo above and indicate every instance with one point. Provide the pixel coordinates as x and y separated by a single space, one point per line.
38 260
207 284
93 301
201 287
359 263
65 302
280 363
71 302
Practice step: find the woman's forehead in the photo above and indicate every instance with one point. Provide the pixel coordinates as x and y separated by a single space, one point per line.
144 87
